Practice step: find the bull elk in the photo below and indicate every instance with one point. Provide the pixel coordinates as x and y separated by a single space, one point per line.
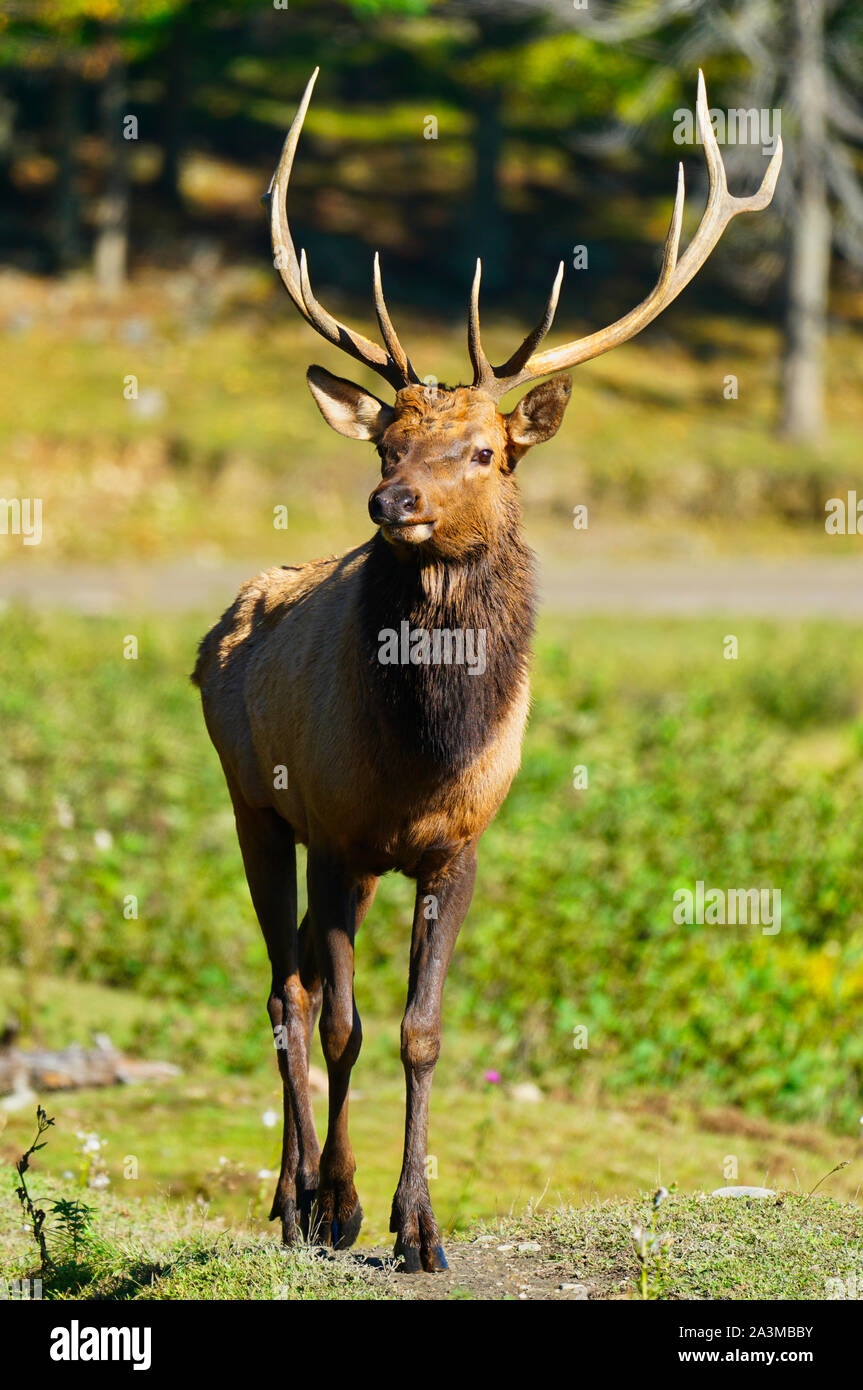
346 717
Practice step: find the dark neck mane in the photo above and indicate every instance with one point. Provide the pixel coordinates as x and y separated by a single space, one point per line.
440 712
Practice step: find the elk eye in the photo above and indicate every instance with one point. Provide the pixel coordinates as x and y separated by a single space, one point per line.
483 456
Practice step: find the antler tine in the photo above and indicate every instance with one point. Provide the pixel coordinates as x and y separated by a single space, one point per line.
294 272
721 205
284 255
485 375
388 332
315 313
672 237
347 339
514 364
674 274
483 372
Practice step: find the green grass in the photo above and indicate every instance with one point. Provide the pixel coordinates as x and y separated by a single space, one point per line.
790 1247
741 774
705 1045
785 1248
213 1140
159 1250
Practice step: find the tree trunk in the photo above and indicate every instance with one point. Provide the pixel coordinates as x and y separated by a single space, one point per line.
112 235
809 261
489 229
8 113
67 212
173 113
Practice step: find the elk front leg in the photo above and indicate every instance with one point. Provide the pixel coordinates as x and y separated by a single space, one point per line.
337 904
269 857
294 1194
443 898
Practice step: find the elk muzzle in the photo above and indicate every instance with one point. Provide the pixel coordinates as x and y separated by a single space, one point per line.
399 509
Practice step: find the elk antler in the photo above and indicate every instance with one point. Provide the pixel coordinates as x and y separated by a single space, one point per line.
392 364
526 364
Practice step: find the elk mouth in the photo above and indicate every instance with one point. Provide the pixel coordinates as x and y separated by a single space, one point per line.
413 532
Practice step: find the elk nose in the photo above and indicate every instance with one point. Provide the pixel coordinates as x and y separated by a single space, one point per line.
394 503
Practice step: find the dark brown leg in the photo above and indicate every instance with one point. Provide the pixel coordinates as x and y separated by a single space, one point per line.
337 904
445 891
292 1206
269 856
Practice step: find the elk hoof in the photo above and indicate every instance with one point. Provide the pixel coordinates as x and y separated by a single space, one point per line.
306 1212
284 1209
344 1233
291 1232
408 1257
415 1259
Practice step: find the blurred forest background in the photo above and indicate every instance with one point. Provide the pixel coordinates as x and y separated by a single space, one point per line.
136 140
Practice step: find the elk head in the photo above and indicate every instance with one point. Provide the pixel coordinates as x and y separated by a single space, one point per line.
448 454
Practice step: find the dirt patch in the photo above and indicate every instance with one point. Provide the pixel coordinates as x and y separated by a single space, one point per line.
731 1121
485 1268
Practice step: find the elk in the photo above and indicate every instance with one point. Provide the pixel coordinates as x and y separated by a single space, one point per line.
337 733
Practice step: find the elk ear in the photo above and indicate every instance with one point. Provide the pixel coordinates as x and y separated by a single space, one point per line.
347 408
538 415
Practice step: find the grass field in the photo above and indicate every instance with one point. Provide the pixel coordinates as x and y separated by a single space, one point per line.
787 1247
741 773
713 1054
705 1045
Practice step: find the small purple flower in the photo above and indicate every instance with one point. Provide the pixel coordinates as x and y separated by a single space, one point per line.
492 1077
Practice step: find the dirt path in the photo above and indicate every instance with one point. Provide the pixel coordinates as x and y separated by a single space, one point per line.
486 1268
793 588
